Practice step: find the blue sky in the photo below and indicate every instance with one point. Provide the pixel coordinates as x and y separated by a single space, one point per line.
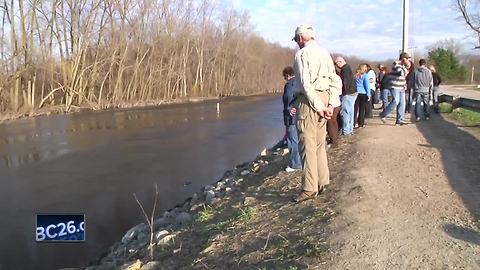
370 29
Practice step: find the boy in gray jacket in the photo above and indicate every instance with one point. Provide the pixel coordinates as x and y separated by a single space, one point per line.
421 83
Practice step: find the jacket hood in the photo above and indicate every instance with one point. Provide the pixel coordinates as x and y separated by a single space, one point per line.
423 69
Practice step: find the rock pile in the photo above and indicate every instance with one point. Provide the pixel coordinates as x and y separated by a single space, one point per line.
131 253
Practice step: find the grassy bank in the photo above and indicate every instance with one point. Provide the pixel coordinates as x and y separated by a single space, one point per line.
465 116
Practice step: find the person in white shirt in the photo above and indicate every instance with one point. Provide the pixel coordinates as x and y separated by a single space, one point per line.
314 76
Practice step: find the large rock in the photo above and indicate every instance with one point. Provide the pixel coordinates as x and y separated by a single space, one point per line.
161 222
166 239
197 206
120 251
132 266
138 244
159 235
183 219
133 233
209 195
152 266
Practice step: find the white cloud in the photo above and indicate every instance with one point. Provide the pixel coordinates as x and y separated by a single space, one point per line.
363 28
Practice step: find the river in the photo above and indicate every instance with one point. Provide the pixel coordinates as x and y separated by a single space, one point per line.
94 162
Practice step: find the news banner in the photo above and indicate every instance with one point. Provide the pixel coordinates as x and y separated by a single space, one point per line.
60 228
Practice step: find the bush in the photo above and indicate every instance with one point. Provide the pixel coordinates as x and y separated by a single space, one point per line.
445 107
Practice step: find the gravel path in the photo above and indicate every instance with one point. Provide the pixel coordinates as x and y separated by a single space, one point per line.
412 201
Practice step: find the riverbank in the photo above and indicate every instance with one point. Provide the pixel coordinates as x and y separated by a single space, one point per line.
5 117
414 206
245 221
10 116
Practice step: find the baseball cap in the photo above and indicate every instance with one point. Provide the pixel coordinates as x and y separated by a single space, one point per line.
404 55
304 29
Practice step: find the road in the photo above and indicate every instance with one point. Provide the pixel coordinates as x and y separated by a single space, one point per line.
464 91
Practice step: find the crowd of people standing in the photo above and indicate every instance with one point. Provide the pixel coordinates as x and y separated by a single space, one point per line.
322 96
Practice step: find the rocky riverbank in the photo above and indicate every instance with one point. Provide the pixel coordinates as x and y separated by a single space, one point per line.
52 110
244 221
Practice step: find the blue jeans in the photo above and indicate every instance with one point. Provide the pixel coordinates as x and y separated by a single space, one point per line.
347 113
419 97
292 143
385 95
435 93
398 102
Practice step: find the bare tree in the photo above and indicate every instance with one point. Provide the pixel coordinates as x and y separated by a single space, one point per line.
66 54
470 11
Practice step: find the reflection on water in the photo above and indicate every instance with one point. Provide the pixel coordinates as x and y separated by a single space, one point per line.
93 163
52 140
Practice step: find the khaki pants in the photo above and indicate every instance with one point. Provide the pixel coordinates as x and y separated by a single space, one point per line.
312 134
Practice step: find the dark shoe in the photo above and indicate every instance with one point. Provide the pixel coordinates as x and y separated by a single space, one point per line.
401 123
321 190
304 195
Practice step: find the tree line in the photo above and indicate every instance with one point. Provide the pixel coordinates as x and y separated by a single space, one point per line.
106 53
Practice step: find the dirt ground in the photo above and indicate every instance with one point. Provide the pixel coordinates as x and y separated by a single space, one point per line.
401 197
412 199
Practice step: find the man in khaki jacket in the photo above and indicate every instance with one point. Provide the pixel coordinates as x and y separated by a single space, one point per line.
314 78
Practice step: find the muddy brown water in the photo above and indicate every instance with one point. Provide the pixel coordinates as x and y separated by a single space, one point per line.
92 163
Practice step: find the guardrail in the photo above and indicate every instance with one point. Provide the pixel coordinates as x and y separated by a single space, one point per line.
458 101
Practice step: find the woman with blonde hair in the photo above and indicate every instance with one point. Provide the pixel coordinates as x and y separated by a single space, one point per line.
363 90
437 80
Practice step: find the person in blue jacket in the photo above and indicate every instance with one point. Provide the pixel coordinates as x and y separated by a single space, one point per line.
289 120
363 90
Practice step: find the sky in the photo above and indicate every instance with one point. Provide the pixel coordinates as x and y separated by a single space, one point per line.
370 29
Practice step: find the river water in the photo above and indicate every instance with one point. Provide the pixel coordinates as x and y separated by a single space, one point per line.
92 163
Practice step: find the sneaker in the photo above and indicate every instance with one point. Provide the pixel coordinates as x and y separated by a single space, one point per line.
427 118
417 119
384 120
290 169
401 123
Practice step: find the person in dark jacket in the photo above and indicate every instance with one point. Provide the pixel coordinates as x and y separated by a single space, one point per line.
289 120
437 80
421 83
383 85
349 95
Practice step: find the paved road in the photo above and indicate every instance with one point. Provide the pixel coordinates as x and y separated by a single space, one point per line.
465 91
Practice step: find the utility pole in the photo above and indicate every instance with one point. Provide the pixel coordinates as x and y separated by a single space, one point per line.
406 13
473 72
